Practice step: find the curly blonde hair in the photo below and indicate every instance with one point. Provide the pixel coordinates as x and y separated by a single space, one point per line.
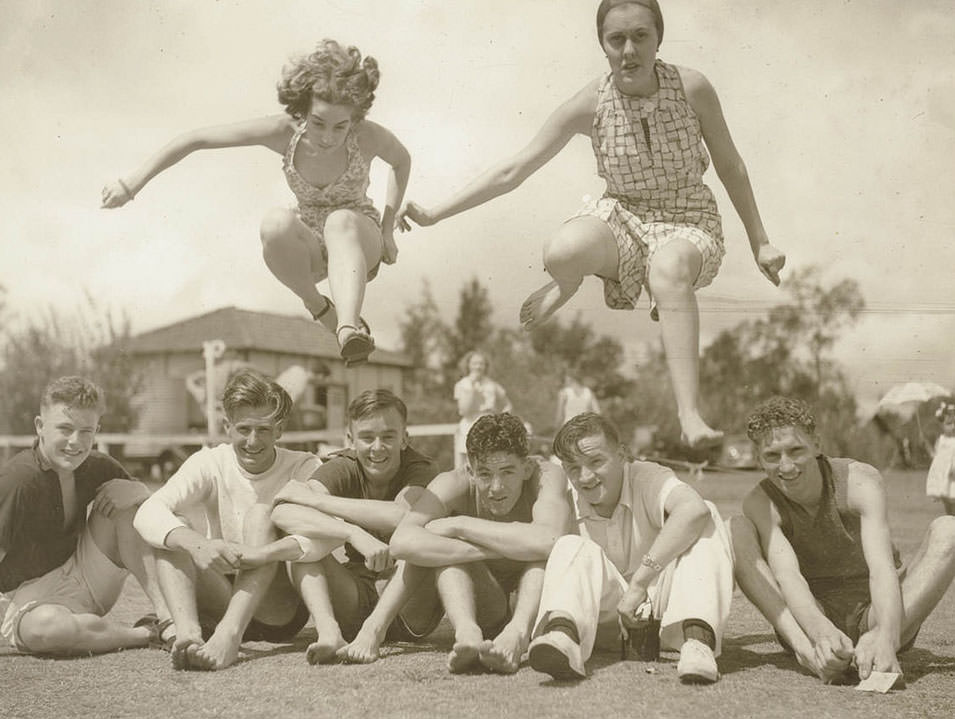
332 73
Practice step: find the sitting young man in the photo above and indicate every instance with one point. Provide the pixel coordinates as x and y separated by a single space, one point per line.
357 498
217 551
815 556
61 570
649 545
487 531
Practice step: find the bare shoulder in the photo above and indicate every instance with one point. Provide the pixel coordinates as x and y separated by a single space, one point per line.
276 130
697 87
865 483
580 108
758 508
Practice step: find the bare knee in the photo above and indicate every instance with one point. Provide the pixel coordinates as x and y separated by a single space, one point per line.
340 224
675 266
278 227
48 629
566 256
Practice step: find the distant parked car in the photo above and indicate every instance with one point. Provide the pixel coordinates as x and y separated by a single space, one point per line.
738 453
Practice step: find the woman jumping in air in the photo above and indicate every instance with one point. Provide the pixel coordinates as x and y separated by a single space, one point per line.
327 146
657 223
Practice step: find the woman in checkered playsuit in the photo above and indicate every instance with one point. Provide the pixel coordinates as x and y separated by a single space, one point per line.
657 223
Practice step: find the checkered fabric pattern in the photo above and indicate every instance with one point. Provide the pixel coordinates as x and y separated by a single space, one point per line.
650 152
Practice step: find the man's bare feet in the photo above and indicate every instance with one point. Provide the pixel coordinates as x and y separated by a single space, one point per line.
363 649
503 655
221 651
324 650
184 651
465 656
542 303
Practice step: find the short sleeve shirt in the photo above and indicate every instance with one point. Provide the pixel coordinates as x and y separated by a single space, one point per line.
636 520
32 513
343 476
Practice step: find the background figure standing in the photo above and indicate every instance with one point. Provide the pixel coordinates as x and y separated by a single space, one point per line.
476 395
940 482
573 398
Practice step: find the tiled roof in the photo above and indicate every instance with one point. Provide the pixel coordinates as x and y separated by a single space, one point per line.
248 330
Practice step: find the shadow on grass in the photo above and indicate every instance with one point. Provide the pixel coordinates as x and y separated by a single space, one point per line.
917 663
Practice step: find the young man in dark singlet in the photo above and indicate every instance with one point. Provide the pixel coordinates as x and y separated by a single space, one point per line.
487 530
814 553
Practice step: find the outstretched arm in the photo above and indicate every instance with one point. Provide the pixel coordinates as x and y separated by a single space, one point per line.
390 149
832 649
573 117
273 132
731 170
876 649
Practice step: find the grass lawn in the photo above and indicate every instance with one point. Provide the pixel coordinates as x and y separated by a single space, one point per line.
412 681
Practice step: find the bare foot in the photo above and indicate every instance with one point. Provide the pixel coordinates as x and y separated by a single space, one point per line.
503 655
465 656
697 434
221 651
542 303
324 651
362 650
184 650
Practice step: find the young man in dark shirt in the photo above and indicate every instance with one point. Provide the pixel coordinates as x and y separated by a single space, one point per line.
61 571
815 555
357 498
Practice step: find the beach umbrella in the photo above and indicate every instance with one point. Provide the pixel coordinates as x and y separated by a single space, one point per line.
904 400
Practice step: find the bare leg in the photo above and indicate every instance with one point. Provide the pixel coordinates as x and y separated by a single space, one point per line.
756 579
329 592
673 270
410 592
250 588
292 253
504 654
929 575
353 242
458 587
54 629
582 246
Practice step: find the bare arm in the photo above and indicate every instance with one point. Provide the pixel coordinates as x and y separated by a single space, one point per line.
391 151
523 541
417 545
876 650
573 117
375 515
731 170
832 650
686 518
272 132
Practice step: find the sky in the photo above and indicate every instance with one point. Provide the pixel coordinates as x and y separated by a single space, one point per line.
843 111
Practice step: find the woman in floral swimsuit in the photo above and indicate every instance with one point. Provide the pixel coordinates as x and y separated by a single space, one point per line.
657 224
327 145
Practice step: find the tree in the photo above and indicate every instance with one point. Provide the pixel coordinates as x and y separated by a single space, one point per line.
786 353
472 327
90 342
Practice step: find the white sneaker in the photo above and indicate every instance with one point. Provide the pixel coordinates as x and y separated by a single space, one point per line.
555 653
697 663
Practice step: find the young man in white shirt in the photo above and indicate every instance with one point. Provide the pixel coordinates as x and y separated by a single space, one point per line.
217 551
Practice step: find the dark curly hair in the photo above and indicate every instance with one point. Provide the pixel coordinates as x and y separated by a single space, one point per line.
779 412
332 73
586 424
497 433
